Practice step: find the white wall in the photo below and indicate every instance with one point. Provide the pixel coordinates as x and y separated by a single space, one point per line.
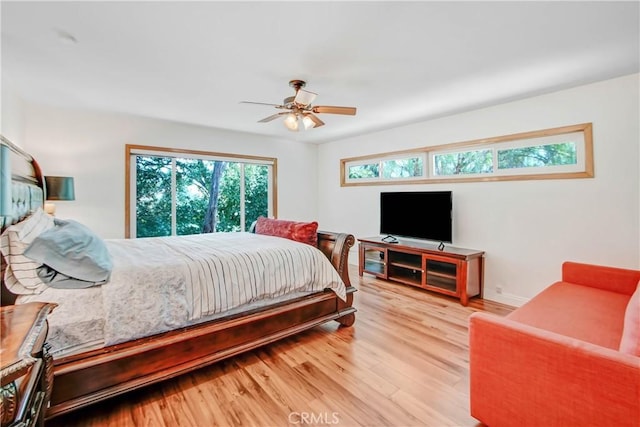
12 121
526 228
90 146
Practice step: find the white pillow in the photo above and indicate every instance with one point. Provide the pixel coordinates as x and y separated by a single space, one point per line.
20 275
71 255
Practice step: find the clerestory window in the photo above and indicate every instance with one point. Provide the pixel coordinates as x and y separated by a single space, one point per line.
565 152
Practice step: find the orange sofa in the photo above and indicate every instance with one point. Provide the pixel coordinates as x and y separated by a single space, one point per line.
558 360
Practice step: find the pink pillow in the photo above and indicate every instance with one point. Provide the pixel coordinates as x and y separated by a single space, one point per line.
305 232
630 342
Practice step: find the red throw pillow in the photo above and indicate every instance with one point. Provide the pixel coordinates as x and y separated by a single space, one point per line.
305 232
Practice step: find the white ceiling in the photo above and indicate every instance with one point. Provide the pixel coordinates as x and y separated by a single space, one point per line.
397 62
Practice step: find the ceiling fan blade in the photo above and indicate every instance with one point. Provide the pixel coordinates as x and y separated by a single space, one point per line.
350 111
316 121
304 97
271 117
261 103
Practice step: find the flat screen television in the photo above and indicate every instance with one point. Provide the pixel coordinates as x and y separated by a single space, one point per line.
417 214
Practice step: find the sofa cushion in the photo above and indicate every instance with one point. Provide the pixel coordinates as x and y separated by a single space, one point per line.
582 312
630 342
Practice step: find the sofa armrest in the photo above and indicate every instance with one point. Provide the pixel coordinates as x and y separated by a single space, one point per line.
597 276
525 376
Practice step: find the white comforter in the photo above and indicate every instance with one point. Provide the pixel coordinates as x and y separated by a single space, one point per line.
159 284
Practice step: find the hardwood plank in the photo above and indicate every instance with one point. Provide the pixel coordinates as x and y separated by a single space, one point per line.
284 385
404 362
361 383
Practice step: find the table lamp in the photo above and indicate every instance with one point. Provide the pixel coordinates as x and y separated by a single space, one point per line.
58 188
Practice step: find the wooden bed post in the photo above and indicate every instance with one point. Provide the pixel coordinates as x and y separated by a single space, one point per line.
336 247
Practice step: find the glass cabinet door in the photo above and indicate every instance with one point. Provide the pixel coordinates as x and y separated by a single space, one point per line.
373 260
440 274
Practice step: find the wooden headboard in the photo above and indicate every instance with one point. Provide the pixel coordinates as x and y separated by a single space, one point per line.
21 192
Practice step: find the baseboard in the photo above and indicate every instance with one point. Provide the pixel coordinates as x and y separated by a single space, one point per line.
504 298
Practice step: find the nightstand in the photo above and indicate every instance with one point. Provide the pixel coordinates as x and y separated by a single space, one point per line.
26 375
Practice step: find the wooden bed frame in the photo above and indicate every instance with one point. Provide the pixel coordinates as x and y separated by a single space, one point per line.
93 376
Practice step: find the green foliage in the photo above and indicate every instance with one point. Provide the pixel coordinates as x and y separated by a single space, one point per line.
538 156
465 162
403 168
153 196
371 170
229 200
481 161
193 178
256 181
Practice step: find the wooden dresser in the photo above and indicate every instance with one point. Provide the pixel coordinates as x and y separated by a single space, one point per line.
26 375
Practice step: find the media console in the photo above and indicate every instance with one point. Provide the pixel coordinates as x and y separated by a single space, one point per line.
452 271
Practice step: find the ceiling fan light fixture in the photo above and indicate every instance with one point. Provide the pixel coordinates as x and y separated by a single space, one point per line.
308 123
297 122
291 122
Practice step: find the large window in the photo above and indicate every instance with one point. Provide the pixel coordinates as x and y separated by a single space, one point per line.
565 152
179 192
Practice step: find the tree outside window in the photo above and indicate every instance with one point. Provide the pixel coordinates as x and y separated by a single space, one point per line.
463 163
538 156
371 170
403 168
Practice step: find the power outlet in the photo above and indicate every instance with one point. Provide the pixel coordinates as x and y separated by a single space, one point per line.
499 289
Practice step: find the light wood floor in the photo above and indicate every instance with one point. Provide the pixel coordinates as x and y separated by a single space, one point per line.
404 362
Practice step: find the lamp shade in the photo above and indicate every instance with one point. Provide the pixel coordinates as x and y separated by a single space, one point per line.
59 188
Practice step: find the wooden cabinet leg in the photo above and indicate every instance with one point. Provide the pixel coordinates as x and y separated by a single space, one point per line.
464 299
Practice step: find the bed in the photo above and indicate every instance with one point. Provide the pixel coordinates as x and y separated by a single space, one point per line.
89 371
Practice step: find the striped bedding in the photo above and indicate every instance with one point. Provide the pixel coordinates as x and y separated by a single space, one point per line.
159 284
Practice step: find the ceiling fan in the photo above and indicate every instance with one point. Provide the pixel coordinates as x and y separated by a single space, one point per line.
300 114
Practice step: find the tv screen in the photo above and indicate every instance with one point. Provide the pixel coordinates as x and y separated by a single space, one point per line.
418 214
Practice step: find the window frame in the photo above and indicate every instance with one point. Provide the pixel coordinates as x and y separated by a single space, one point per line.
583 169
132 150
